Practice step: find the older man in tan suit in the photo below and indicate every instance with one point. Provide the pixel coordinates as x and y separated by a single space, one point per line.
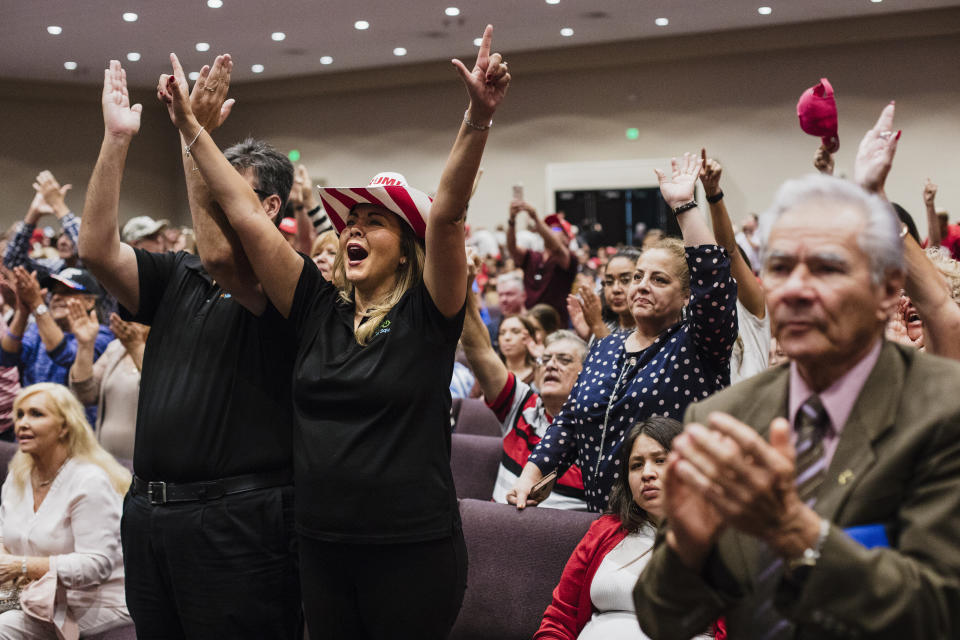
819 499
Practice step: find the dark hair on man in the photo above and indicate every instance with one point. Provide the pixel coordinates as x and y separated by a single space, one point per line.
621 503
274 170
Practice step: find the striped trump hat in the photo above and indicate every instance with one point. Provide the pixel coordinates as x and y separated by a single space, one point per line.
388 190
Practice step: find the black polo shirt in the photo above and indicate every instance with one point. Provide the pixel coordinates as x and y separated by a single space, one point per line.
215 390
372 423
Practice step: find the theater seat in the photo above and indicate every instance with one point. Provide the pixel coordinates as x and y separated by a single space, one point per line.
515 561
473 416
474 461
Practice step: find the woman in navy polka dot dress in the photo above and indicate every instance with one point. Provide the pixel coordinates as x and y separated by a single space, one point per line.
684 302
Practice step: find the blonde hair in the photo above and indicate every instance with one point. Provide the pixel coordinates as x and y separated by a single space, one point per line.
408 276
949 269
325 238
678 253
81 443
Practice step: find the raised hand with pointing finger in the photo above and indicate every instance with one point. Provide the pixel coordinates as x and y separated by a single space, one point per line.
486 83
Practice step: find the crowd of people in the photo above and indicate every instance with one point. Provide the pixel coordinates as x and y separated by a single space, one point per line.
762 417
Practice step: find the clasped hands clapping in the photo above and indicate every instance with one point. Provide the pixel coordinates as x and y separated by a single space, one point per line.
724 474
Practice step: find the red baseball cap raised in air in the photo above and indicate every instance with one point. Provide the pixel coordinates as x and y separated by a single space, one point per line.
556 221
817 110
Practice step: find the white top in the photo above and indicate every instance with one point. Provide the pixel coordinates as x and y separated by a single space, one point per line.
612 589
79 523
751 351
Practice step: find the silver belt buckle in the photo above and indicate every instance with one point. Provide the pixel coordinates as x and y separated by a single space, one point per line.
157 492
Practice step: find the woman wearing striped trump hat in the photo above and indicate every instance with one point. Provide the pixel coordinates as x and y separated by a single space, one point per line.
381 550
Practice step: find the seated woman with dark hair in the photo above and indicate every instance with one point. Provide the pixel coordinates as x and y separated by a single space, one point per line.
594 600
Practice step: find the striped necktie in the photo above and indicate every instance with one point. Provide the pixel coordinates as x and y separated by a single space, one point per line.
812 425
811 464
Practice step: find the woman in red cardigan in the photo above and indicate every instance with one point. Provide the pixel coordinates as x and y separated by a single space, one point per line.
594 599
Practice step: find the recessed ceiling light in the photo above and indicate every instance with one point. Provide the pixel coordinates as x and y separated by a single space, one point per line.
553 1
566 32
361 25
278 36
194 75
452 11
54 30
876 1
257 68
399 51
661 22
477 42
214 4
130 16
133 56
764 11
326 59
69 65
203 46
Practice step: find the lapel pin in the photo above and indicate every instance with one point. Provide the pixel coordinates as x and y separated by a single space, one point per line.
845 477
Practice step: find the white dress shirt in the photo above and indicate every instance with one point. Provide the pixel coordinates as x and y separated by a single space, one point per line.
78 523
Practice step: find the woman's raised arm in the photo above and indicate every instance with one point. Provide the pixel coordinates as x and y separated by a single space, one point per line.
445 271
276 265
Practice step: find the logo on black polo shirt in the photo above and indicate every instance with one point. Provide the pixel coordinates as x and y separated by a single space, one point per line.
383 328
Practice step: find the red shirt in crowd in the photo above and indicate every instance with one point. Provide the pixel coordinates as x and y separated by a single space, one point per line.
548 282
951 241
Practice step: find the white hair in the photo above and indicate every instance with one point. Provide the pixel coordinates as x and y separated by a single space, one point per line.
511 277
880 237
570 336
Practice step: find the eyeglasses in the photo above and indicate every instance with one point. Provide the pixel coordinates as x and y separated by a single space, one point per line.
263 194
623 278
563 359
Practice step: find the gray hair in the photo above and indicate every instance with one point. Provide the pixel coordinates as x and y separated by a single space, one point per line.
510 277
566 334
880 237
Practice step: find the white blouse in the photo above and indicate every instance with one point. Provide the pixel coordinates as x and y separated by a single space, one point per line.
78 523
612 589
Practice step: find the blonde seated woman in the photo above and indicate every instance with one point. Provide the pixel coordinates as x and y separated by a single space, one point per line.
324 252
60 522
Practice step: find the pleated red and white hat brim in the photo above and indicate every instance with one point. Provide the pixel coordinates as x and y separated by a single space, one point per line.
388 190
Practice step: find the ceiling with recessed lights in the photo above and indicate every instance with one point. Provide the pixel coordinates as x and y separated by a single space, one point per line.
58 41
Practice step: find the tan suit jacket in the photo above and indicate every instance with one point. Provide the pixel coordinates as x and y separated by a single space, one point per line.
897 464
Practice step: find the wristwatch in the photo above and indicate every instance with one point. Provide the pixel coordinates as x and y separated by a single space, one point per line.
40 310
808 559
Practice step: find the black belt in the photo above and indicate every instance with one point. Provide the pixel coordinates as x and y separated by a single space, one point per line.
164 492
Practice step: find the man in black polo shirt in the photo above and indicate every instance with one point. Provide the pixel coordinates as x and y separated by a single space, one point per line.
207 527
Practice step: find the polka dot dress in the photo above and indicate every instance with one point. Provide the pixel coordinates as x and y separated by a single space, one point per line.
687 362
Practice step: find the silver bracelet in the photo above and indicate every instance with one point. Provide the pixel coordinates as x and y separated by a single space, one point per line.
23 566
474 125
186 149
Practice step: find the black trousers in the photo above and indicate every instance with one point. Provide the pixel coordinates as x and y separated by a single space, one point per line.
382 591
224 568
